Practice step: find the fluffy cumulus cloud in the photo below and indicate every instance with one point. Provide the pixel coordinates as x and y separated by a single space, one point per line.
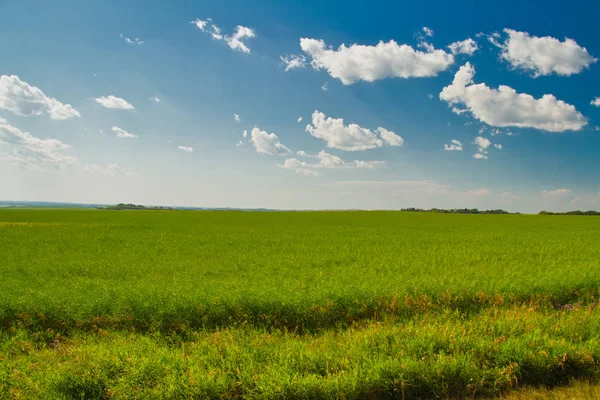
467 46
325 160
454 145
350 137
390 137
544 55
299 119
482 144
114 102
235 41
25 100
267 143
505 107
122 133
596 102
31 152
370 63
186 149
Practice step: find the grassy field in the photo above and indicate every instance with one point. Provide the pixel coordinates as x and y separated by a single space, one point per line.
180 304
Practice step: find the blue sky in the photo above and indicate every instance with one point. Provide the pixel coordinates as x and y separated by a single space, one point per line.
400 95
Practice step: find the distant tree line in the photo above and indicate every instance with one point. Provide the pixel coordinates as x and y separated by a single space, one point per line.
129 206
456 211
576 212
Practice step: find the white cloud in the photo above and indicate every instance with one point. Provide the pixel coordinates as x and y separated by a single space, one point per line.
478 156
480 192
390 137
544 55
136 41
370 63
367 164
240 143
454 146
325 87
24 100
555 192
114 102
498 146
293 61
350 137
482 144
237 118
200 24
326 161
235 41
427 31
245 134
122 133
108 170
596 102
267 143
155 99
467 46
504 107
299 119
30 151
430 96
187 149
241 33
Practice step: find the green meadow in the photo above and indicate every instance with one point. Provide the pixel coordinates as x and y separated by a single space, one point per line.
98 304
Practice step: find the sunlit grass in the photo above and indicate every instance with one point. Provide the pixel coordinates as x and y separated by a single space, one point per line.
169 304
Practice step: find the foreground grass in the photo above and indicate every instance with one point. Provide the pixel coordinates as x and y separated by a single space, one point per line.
149 304
436 355
575 391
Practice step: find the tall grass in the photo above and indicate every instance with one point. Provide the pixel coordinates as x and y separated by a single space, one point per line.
152 304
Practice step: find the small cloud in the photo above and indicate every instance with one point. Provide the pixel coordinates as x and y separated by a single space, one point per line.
325 86
155 99
245 134
430 96
293 61
427 31
498 146
454 146
114 102
237 118
467 46
596 102
234 41
482 144
479 156
299 119
122 133
186 149
136 41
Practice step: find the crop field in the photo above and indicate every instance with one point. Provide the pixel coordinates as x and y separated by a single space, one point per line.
101 304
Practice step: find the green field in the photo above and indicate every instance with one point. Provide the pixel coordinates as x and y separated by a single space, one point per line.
200 304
